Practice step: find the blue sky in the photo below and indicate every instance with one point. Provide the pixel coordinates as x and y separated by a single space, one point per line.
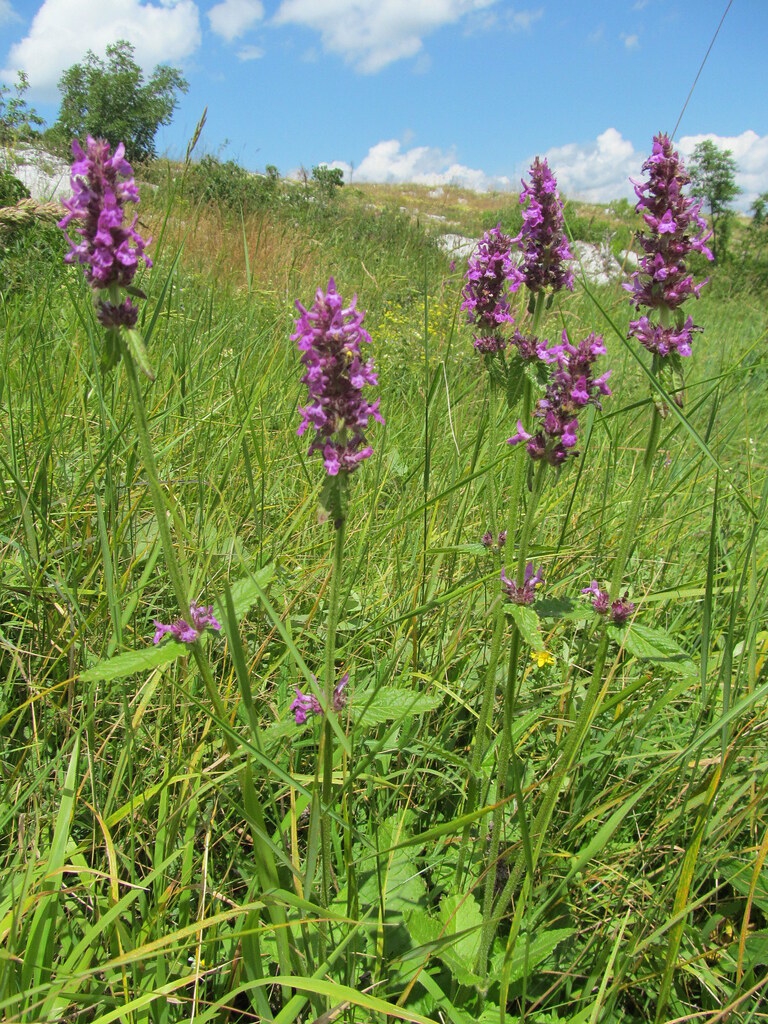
434 91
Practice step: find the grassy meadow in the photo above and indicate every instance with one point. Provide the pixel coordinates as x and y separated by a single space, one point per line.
525 817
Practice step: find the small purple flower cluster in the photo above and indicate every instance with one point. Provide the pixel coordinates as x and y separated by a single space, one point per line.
676 229
329 335
491 277
530 348
108 250
524 593
306 704
487 539
542 239
201 618
570 389
619 610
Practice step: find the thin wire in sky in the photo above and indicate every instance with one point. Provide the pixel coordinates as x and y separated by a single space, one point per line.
701 68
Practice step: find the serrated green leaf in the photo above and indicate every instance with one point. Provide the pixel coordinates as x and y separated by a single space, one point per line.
131 662
460 916
527 621
390 704
652 644
526 957
138 351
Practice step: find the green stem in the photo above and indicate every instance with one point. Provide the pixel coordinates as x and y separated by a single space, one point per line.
506 748
590 707
325 755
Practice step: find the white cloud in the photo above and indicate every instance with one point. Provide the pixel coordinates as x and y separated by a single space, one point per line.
750 151
421 165
232 18
250 53
63 30
597 171
373 33
631 42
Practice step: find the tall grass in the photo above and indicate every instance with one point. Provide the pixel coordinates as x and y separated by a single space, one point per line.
160 859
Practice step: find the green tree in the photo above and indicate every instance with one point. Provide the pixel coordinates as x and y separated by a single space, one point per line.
18 121
109 99
713 180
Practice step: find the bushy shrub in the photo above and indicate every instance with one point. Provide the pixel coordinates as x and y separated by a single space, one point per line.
230 185
11 189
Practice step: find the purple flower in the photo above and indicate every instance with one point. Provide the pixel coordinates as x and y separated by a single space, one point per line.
664 340
108 250
571 387
329 337
306 704
542 240
675 230
487 539
529 347
600 599
619 610
522 593
491 276
201 617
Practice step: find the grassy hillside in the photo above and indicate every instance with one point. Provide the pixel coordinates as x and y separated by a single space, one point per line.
521 813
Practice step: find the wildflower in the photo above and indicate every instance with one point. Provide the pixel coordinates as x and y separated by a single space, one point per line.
600 597
108 250
306 704
570 389
487 539
619 611
522 593
676 229
491 276
542 240
201 618
329 335
542 658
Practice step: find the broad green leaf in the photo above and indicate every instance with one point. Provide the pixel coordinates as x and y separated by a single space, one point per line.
527 621
652 644
131 662
390 704
460 916
525 958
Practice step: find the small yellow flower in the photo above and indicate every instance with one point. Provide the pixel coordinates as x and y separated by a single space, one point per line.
542 658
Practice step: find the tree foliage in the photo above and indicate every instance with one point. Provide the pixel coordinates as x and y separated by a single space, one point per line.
18 121
713 180
109 99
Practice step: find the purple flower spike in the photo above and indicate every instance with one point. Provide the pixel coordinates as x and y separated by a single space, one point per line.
184 632
676 229
570 389
542 240
491 277
306 704
525 593
108 250
329 336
